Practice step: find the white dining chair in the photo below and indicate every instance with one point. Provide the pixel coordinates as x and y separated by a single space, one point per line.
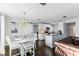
29 46
12 45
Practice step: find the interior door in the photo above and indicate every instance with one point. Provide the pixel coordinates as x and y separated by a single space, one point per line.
71 29
35 28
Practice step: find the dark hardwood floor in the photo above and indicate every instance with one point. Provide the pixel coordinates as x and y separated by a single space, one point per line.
43 50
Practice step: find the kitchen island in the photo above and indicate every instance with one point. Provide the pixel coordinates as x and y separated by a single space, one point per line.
50 39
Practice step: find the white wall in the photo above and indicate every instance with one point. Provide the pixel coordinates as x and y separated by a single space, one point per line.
61 26
55 28
25 28
7 28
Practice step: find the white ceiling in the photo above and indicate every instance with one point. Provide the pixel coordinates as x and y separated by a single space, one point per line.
34 11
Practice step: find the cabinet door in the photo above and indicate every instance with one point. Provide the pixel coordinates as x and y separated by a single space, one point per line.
49 41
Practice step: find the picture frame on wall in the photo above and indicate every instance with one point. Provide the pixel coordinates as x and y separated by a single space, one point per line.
14 28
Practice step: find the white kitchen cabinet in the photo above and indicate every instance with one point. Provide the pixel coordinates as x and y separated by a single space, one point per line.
49 41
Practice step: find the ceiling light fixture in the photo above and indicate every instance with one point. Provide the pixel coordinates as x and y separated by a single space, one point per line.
43 4
24 15
25 21
64 16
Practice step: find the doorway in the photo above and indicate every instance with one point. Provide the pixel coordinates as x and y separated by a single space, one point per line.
71 29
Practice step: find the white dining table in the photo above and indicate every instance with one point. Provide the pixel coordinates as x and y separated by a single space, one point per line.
20 40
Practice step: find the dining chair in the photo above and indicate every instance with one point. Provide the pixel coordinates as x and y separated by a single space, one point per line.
29 46
12 45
